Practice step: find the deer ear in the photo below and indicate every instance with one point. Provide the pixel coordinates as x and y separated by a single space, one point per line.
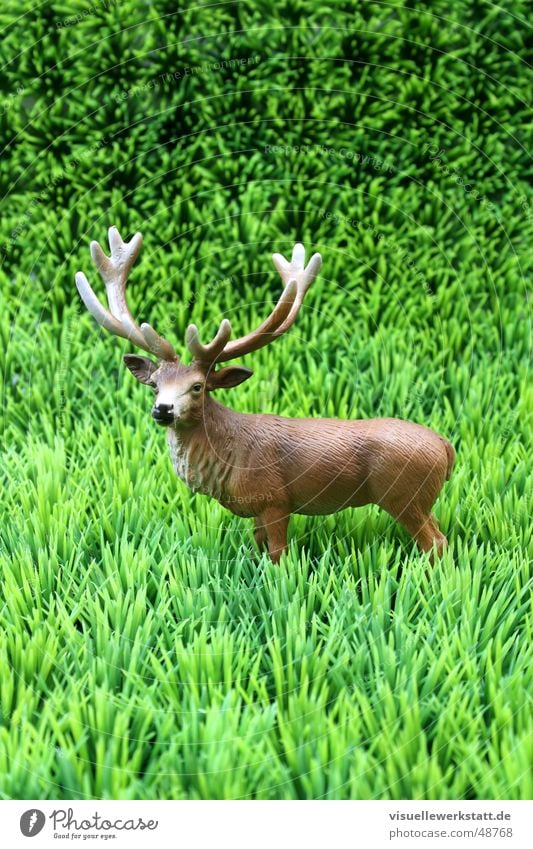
141 367
227 377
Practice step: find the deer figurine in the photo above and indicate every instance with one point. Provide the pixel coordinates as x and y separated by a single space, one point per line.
267 466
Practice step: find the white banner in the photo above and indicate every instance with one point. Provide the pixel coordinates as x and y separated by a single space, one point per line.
264 825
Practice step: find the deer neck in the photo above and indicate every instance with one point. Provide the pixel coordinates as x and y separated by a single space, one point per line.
204 454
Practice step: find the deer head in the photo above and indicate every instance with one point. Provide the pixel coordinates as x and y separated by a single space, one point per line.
181 389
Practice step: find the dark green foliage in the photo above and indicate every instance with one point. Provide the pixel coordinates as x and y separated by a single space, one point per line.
144 651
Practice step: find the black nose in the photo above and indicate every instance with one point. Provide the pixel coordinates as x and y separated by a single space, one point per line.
162 413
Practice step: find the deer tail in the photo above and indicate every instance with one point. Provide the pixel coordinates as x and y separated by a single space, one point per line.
450 454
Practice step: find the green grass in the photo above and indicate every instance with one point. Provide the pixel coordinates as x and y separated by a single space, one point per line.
145 652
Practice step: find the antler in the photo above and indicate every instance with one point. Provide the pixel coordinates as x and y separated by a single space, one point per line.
297 279
118 319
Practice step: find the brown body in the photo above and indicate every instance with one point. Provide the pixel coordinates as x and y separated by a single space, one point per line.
266 466
269 467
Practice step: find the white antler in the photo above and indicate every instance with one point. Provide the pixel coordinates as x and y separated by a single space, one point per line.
118 319
297 279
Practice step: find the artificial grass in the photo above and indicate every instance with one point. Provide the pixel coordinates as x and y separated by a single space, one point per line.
145 652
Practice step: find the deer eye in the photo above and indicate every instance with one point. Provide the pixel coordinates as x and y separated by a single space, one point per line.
196 387
153 385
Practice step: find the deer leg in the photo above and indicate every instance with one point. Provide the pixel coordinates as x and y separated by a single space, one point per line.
438 540
260 534
275 522
425 531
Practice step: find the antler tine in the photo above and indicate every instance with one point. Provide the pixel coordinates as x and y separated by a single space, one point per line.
114 272
158 346
118 319
297 279
304 276
207 353
219 351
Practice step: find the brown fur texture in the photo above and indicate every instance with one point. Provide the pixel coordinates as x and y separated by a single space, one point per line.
268 467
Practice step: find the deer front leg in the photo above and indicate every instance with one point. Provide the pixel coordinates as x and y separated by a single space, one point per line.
260 534
273 524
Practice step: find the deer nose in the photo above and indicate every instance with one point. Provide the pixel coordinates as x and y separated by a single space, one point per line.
162 413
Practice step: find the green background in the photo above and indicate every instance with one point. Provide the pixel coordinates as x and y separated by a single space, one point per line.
145 651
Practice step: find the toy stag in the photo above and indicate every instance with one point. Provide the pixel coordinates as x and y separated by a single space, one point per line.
267 466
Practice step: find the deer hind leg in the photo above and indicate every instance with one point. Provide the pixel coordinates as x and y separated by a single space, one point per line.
425 531
274 522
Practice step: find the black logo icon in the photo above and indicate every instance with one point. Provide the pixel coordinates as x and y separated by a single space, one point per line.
32 822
